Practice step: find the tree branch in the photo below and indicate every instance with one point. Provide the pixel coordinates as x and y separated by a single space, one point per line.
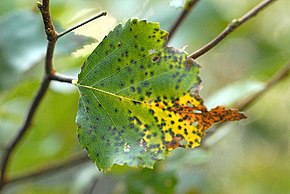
245 104
230 28
49 74
181 18
277 78
51 169
51 37
22 131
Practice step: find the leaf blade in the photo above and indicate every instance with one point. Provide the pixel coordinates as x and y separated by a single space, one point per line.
136 97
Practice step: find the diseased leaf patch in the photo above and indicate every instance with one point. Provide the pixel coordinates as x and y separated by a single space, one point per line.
139 99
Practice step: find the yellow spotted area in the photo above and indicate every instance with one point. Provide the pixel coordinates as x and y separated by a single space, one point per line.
185 120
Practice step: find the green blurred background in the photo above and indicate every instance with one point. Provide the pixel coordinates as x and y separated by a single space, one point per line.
250 156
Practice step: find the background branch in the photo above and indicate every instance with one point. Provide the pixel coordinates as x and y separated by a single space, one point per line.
277 78
51 168
23 130
188 7
230 28
49 74
51 37
245 104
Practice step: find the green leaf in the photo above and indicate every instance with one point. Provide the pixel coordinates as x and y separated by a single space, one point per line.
137 99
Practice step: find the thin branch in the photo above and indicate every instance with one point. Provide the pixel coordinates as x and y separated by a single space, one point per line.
51 37
50 74
81 24
245 104
51 168
230 28
277 78
91 189
181 18
22 131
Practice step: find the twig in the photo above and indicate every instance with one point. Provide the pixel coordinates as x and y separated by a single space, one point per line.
51 169
230 28
93 185
245 104
277 78
51 37
50 74
81 24
181 18
22 131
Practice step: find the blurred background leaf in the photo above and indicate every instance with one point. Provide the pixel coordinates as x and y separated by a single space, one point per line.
251 156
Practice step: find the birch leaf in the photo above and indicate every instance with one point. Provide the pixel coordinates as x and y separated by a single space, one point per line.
139 99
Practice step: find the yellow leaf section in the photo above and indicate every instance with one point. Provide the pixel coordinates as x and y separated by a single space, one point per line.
184 120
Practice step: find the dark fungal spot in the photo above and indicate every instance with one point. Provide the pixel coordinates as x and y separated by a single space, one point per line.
145 84
134 21
135 102
151 111
142 67
156 119
148 93
135 36
132 89
138 121
139 90
116 110
119 44
131 81
148 136
155 59
141 98
119 60
131 29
